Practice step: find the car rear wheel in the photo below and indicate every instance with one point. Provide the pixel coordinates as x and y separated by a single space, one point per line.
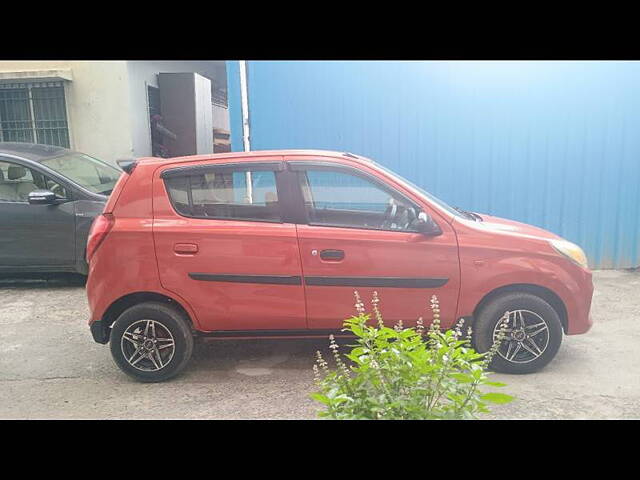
533 332
151 342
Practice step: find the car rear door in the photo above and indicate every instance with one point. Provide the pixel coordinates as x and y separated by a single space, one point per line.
351 241
224 243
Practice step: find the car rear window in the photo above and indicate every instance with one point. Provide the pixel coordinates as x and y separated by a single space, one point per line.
234 195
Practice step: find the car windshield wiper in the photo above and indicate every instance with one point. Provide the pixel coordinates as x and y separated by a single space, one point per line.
469 215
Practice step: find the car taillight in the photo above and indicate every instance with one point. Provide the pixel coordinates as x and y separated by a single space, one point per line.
99 230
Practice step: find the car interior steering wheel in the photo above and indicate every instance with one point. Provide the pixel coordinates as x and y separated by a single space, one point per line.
58 190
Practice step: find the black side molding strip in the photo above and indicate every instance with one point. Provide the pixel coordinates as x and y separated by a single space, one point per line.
393 282
269 279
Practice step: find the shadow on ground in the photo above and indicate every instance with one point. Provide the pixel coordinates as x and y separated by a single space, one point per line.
42 280
259 357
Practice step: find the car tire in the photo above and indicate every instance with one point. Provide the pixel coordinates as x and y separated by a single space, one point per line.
524 350
151 342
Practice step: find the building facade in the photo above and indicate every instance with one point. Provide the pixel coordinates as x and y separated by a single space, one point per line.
113 109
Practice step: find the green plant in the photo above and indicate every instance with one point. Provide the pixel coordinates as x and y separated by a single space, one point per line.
406 373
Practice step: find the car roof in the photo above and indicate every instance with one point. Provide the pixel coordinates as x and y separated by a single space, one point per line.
32 151
253 153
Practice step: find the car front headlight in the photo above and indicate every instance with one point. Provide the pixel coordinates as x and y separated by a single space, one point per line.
571 251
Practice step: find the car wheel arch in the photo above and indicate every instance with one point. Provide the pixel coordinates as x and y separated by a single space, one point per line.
544 293
127 301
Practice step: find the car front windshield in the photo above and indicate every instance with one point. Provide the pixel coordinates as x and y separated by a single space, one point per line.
436 200
90 173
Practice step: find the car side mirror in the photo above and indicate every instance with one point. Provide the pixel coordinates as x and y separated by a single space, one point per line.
426 225
42 197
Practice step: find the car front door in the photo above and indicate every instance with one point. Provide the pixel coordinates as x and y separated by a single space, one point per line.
360 235
33 236
224 243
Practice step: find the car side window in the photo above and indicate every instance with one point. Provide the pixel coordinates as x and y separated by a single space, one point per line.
340 199
55 187
226 194
16 182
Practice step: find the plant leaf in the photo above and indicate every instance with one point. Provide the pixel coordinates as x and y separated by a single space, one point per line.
462 377
495 397
495 384
320 398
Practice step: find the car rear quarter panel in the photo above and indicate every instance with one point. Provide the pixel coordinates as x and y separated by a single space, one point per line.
125 262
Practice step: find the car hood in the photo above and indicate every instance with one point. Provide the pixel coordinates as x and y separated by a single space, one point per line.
490 222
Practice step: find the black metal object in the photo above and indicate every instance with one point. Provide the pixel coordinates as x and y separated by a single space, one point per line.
34 112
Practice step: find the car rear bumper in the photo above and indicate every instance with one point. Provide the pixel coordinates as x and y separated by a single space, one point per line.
99 332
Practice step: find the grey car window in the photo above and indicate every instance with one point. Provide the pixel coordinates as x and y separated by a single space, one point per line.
238 195
339 199
17 182
88 172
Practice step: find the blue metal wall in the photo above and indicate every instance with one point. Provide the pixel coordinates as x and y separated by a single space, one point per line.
554 144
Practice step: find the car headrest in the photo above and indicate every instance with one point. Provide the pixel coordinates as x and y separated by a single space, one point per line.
15 172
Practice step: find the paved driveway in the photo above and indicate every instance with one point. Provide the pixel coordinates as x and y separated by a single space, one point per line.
51 368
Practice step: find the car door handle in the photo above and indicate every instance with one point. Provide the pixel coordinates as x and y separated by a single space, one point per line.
334 255
185 248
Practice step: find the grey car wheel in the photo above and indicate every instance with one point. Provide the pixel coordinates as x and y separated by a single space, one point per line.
533 332
151 342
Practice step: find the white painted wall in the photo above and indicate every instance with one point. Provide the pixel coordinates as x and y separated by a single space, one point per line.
100 110
98 105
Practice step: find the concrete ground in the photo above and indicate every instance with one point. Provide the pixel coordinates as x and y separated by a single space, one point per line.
51 368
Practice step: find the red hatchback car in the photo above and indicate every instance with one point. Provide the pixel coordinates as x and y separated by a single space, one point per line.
274 243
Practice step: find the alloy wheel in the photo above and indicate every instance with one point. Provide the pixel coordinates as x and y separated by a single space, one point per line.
527 337
147 345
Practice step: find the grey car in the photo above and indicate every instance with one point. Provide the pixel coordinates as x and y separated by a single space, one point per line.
48 198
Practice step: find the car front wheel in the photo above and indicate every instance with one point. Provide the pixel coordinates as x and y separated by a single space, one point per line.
533 332
151 342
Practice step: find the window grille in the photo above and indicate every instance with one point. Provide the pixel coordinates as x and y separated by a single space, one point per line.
34 113
219 97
